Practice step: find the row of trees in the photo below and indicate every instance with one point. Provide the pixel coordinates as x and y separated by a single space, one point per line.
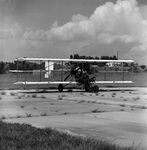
77 56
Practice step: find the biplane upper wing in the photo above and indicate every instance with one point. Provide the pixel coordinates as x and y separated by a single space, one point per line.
71 60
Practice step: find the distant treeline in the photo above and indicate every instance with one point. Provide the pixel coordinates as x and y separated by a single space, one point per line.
6 66
77 56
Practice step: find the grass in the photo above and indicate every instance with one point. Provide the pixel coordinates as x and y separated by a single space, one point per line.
113 94
136 98
15 136
97 111
140 107
97 94
124 99
63 95
12 94
18 116
60 97
34 95
122 110
122 105
81 101
3 117
20 96
3 93
65 113
22 106
42 96
0 97
43 114
123 91
28 115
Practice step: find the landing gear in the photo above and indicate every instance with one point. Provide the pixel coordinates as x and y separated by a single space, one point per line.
87 88
95 89
60 87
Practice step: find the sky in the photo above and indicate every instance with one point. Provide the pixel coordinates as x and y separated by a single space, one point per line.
59 28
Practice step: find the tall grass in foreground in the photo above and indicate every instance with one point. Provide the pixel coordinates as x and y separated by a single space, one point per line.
16 136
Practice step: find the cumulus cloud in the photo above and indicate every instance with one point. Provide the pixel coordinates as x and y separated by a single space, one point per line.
139 51
122 21
36 35
78 17
10 31
110 24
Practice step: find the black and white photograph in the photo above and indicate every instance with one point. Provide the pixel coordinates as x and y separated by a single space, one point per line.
73 74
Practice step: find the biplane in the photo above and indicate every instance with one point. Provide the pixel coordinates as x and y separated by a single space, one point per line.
86 73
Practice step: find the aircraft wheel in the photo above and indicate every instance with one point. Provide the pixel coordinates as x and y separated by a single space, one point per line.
60 88
95 89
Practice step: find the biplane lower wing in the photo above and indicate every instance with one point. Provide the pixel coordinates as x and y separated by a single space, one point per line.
68 82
